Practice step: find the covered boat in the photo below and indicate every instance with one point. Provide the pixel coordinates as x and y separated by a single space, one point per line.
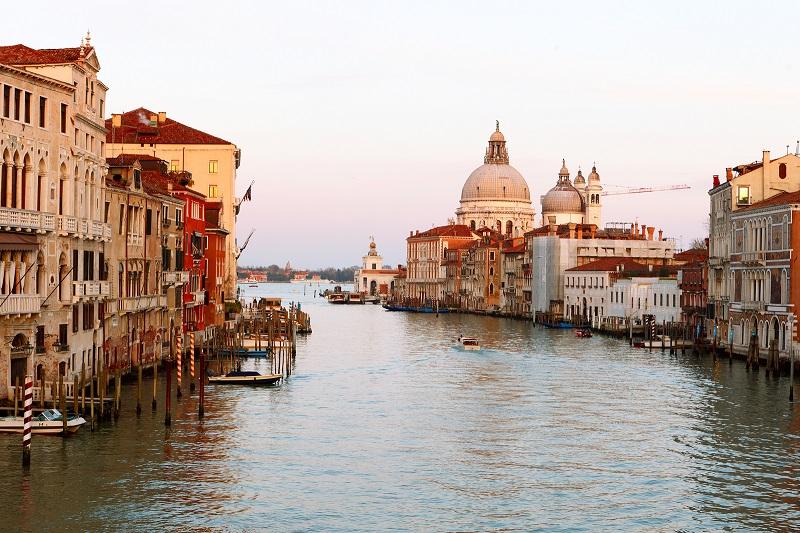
245 378
49 422
469 343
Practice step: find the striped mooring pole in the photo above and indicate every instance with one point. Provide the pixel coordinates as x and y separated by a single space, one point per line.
179 355
26 428
191 361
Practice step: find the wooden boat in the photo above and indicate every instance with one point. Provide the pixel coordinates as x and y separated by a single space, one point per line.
245 378
354 298
337 298
49 422
469 343
583 333
558 325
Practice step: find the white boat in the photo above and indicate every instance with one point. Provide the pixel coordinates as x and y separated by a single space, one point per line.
469 343
49 422
245 378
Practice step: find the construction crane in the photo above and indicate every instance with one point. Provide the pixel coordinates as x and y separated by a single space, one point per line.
638 190
247 240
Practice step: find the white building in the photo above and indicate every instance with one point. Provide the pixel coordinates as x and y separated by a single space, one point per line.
372 278
496 195
577 203
621 288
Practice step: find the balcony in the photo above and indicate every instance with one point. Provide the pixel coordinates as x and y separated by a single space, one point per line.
24 220
194 298
179 277
20 304
134 239
81 227
752 306
757 258
90 289
179 224
142 303
165 222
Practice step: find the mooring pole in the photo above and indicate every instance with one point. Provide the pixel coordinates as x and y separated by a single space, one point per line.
167 394
791 357
179 353
202 376
26 427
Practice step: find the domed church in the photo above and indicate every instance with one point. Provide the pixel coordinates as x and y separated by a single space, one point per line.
577 202
496 195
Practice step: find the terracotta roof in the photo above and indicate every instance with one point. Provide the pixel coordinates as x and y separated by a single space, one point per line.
460 245
129 159
695 254
518 249
137 129
451 230
608 264
19 54
779 199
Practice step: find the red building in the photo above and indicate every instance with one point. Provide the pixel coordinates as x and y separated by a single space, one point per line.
194 246
693 284
216 236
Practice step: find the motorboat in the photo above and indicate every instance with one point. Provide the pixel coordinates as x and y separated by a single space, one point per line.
247 377
583 333
469 343
355 298
49 422
337 298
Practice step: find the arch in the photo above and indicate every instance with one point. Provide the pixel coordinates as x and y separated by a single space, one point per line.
782 171
499 226
63 292
19 341
41 186
22 185
63 176
373 287
41 275
509 228
472 225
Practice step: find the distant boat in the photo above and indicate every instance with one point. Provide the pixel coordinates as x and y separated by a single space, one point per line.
355 298
469 343
337 298
245 378
49 422
583 333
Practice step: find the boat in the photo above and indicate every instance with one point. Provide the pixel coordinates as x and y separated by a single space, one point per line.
558 325
583 333
245 378
49 422
253 285
371 299
337 298
355 298
469 343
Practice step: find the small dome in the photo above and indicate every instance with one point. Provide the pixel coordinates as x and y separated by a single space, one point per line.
594 177
497 136
563 171
563 198
579 179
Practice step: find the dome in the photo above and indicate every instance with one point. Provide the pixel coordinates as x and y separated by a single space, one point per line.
594 177
579 179
497 182
563 198
497 136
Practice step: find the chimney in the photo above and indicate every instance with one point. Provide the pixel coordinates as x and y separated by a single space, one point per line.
116 120
716 180
553 229
593 231
644 230
650 232
411 233
636 228
661 235
580 231
729 174
162 117
153 120
571 227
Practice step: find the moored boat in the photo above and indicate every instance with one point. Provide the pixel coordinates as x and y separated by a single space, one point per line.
337 298
355 298
245 378
583 333
49 422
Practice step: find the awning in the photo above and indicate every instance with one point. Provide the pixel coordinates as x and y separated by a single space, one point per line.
17 241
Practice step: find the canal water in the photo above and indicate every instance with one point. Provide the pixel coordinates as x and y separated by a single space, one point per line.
387 425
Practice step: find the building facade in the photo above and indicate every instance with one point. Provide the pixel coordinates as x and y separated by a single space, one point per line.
212 162
52 290
425 277
372 278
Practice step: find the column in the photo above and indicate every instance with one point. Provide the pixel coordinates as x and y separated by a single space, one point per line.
18 198
9 179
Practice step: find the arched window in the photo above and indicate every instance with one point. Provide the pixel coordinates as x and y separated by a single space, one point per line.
491 288
472 225
782 171
509 228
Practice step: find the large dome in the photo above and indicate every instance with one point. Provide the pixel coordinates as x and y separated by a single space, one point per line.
563 198
493 181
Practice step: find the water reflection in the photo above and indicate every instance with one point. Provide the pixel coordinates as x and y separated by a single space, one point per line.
387 424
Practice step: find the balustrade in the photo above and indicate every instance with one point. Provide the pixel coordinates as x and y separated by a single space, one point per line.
23 219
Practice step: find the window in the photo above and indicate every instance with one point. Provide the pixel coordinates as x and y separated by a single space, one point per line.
174 165
148 222
63 118
178 217
743 195
213 166
782 171
42 112
28 107
213 191
7 101
121 217
17 103
102 107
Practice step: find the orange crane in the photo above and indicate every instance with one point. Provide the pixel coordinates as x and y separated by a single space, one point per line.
637 190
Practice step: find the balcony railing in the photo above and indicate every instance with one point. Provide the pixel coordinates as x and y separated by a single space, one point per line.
142 303
92 229
194 298
752 306
134 239
754 257
87 289
20 304
175 278
166 222
25 220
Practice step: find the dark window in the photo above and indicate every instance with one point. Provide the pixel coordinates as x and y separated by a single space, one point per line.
101 266
28 107
42 112
39 337
63 118
148 221
7 101
74 265
75 318
782 171
86 262
17 103
62 334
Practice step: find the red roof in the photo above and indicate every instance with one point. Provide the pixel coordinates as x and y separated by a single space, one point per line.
518 249
608 264
129 159
778 199
137 129
451 230
695 254
19 54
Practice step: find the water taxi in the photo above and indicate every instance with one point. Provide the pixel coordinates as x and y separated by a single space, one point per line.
245 378
49 422
337 298
355 298
469 343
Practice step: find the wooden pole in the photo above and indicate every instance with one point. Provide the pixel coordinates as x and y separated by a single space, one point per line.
178 348
91 403
139 389
41 397
167 394
155 384
75 394
63 396
101 393
26 425
16 396
117 390
202 378
83 388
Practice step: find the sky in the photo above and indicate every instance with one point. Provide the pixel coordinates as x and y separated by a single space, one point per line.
365 118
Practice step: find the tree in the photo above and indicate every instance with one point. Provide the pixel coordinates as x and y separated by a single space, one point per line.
697 244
